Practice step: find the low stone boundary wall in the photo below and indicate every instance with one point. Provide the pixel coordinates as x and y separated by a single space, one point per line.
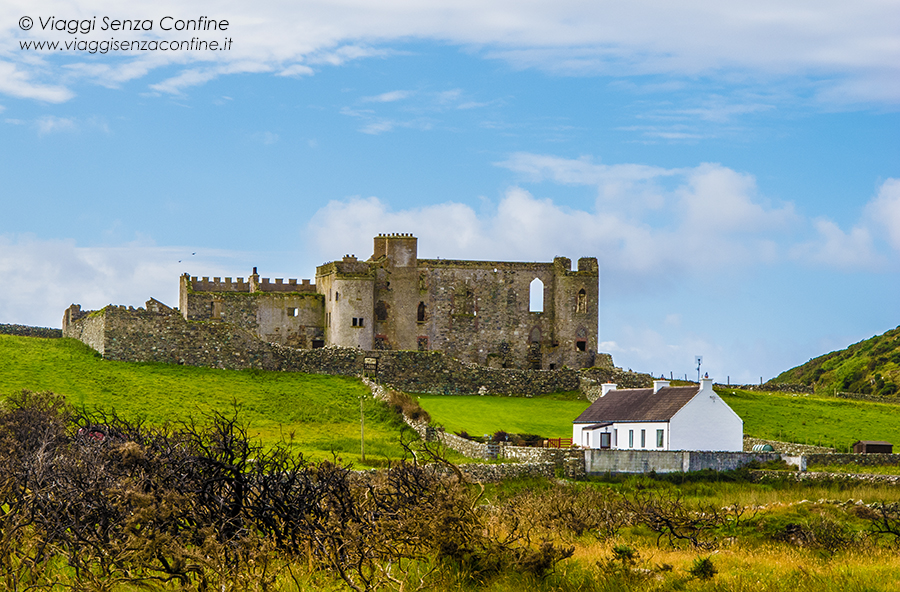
493 473
786 447
668 461
26 331
868 460
764 476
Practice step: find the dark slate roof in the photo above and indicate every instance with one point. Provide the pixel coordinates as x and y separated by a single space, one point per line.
638 405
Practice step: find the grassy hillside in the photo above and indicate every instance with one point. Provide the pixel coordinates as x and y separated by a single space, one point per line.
322 412
870 367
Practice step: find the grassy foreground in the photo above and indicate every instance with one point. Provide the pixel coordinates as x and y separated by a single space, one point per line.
316 414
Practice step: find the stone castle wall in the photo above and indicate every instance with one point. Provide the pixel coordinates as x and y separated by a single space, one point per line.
160 334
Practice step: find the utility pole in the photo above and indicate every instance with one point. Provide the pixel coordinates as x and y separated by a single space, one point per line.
362 430
699 360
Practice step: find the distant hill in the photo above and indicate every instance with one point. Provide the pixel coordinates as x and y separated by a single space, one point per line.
869 367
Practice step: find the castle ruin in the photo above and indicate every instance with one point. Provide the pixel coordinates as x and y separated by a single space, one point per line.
474 311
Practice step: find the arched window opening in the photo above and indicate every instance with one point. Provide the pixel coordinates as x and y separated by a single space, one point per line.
420 313
581 301
536 296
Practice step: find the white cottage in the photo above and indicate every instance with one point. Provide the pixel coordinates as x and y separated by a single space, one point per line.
662 418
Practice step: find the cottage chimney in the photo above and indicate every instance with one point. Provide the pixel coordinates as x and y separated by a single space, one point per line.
706 384
607 387
659 384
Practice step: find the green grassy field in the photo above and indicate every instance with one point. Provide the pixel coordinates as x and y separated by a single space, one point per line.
549 416
808 419
777 416
320 412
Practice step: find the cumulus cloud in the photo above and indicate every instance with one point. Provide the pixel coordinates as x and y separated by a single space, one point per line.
43 277
833 247
852 46
884 211
700 233
647 222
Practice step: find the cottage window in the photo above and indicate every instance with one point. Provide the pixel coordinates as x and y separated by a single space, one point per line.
643 438
631 438
604 439
659 438
587 439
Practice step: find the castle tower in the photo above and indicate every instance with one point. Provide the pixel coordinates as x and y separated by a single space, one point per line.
396 291
348 289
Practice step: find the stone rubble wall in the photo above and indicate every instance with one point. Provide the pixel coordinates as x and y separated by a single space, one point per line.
790 448
867 460
778 476
27 331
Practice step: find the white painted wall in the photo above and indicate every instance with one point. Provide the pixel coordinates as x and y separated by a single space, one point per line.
706 423
649 427
619 439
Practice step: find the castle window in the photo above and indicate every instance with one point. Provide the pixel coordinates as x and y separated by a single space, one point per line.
581 345
337 296
536 296
420 313
381 311
422 343
581 301
358 322
292 312
464 301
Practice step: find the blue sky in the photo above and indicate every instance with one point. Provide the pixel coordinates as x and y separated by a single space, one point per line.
735 167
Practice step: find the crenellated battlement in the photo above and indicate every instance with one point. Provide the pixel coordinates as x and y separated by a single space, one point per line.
218 284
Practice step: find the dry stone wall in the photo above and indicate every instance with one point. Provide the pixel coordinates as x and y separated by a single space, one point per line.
791 448
867 460
26 331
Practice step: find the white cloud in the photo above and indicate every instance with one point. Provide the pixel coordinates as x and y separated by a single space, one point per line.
884 211
647 223
43 277
835 248
50 123
852 47
18 81
388 97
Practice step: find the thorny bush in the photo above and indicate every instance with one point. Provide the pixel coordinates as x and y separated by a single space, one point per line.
202 506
